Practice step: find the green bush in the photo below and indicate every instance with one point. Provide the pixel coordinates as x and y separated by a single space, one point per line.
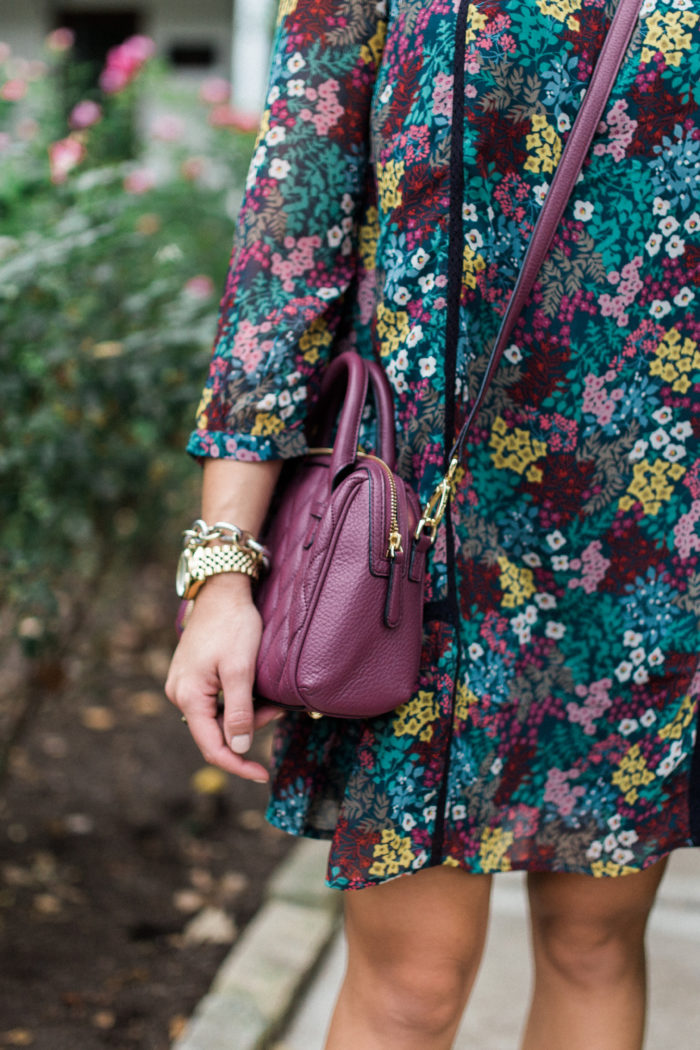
109 280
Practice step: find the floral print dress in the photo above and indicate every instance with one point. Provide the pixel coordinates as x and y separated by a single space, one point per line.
554 723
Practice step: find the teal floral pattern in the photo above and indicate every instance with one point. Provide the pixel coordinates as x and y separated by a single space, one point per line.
554 724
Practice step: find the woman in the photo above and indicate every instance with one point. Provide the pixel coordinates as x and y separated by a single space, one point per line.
554 723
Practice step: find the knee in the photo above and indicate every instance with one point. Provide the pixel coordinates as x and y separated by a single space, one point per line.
414 996
590 954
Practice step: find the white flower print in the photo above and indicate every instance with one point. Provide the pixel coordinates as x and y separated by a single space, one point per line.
684 296
469 212
638 450
475 651
513 354
628 725
648 718
646 9
497 766
662 415
429 813
659 438
653 243
674 452
659 308
555 630
327 293
274 94
386 94
427 282
267 403
665 767
660 206
624 670
632 638
419 259
296 62
583 210
401 296
675 246
276 135
692 223
615 822
347 204
334 236
640 676
427 367
560 562
610 843
656 657
622 856
594 851
408 822
474 239
637 655
668 225
681 431
546 601
279 169
556 540
296 88
532 559
414 337
540 192
459 811
530 614
628 838
402 361
563 122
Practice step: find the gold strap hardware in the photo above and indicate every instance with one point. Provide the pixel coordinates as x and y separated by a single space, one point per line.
437 504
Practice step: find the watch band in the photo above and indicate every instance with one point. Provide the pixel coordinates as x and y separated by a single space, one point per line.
199 563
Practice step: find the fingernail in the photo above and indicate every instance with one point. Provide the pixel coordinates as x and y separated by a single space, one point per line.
261 780
241 744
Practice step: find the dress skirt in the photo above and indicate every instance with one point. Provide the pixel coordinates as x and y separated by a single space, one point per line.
554 723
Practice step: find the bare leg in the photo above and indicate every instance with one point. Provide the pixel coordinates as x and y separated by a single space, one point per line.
590 963
414 946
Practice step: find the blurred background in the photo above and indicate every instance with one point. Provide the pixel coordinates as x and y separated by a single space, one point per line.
127 868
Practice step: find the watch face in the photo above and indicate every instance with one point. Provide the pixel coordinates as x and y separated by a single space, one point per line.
183 577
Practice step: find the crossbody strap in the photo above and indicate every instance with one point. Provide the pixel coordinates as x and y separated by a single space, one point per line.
565 176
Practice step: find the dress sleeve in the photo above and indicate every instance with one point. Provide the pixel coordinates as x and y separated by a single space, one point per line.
295 250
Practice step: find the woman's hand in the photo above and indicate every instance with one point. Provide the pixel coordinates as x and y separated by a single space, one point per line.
217 653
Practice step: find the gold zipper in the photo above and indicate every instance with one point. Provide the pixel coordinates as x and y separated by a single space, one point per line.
395 541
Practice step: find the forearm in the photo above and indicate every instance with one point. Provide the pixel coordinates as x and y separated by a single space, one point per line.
238 492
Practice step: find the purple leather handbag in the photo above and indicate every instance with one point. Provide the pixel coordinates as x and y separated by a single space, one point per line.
342 604
343 610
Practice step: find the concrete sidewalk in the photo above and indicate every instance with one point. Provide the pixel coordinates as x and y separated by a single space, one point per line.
495 1014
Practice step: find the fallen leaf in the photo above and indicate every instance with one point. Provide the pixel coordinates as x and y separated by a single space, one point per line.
232 884
187 900
177 1027
98 718
47 904
147 703
104 1019
19 1037
251 819
210 926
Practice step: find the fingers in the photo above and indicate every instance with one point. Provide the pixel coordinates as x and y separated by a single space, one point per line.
207 733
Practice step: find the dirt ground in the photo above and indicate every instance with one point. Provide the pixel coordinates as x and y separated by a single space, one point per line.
127 867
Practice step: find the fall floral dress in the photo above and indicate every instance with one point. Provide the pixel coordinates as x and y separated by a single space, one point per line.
554 723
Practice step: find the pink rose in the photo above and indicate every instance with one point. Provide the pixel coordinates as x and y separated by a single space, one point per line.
60 40
200 287
84 115
65 155
215 91
140 181
168 127
13 90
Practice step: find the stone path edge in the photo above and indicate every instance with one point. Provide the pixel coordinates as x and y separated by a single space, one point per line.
261 979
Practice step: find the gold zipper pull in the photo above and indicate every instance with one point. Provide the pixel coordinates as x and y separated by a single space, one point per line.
395 544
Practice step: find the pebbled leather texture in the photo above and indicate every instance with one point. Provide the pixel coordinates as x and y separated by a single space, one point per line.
342 619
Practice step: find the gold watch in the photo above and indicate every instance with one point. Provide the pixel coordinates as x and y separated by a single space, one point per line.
197 564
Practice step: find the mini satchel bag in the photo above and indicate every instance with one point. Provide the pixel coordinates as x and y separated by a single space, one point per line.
342 603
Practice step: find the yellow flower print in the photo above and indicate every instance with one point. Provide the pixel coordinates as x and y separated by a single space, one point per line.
559 9
674 358
632 773
674 729
495 843
416 718
315 339
543 144
475 23
652 484
609 869
371 52
514 450
389 176
368 238
392 855
202 421
392 328
286 7
517 584
666 32
266 423
472 264
465 700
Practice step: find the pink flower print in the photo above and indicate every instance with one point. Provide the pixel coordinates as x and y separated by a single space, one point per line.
594 565
685 535
597 401
621 128
328 111
559 793
596 701
629 285
297 260
442 95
